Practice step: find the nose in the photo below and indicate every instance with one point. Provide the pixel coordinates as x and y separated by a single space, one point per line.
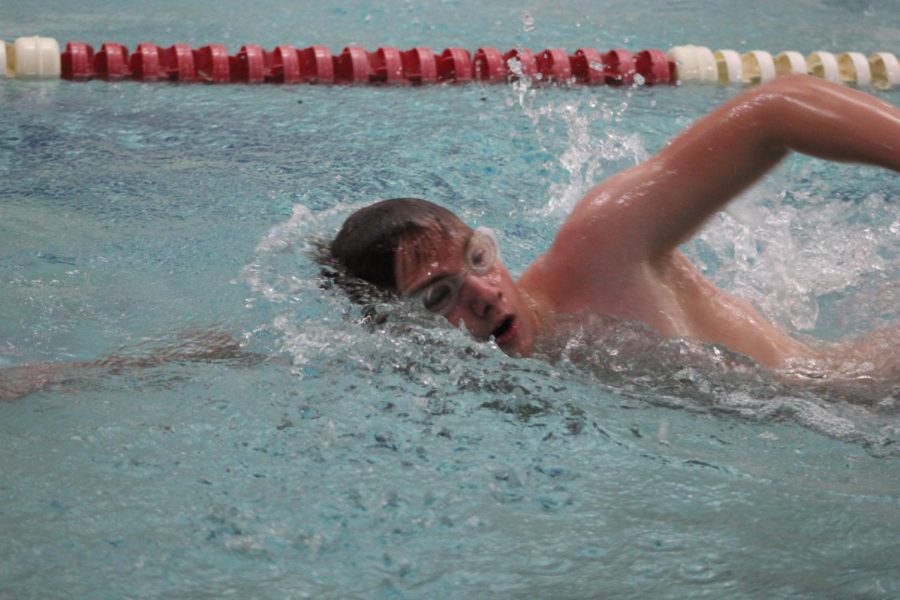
481 296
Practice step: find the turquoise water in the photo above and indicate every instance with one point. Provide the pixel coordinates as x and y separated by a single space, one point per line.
404 460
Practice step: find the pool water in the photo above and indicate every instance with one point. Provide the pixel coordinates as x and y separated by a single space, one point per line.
400 459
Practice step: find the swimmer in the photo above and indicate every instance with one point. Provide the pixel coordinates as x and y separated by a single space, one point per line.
617 254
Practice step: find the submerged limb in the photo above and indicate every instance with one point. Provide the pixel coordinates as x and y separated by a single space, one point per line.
865 370
873 356
16 382
194 346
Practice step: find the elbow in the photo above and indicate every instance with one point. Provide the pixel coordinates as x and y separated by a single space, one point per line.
782 108
796 84
775 97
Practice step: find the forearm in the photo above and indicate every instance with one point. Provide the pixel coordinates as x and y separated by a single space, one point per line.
659 204
16 382
809 115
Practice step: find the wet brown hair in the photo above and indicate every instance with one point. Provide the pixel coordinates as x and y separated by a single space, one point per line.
369 238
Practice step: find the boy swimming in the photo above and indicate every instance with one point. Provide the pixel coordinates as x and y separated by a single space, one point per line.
617 254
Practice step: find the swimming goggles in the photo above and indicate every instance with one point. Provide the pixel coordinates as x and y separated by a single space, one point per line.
481 253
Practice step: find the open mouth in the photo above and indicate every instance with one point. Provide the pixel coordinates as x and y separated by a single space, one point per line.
505 330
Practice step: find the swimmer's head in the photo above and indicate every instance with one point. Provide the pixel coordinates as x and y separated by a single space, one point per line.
367 243
420 250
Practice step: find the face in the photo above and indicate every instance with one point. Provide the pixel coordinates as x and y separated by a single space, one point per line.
460 276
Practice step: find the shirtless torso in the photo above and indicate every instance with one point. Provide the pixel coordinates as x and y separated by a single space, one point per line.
673 298
617 253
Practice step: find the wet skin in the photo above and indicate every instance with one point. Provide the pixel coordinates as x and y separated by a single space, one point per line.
489 304
616 255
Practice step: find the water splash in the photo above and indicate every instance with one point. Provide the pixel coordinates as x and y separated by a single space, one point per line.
786 251
527 22
585 156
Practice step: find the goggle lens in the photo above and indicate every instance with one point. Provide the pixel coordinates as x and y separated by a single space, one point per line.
481 254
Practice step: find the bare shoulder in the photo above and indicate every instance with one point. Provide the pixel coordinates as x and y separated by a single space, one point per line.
607 229
583 267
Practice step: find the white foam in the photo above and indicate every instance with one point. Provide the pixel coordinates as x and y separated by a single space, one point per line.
584 155
784 257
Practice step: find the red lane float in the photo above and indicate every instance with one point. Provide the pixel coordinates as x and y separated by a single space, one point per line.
38 57
619 67
554 65
653 66
144 63
587 67
212 64
419 65
178 61
521 63
283 65
386 66
248 65
455 64
490 66
152 63
77 62
111 63
352 66
316 65
355 65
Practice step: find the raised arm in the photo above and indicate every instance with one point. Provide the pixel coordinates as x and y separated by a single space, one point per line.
655 206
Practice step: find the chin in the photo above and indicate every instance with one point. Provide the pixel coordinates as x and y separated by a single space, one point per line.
519 348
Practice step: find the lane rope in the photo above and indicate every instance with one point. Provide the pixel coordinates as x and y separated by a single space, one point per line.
35 57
